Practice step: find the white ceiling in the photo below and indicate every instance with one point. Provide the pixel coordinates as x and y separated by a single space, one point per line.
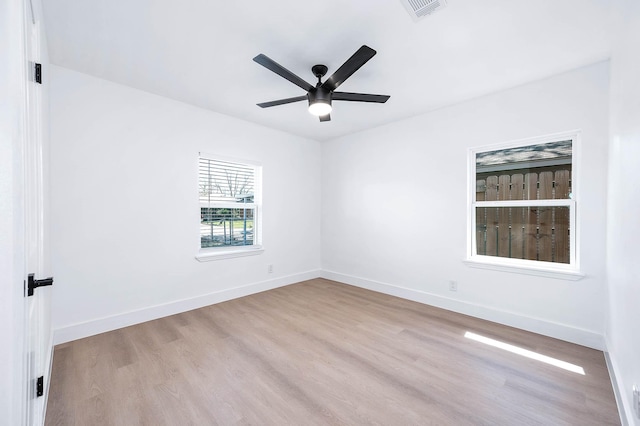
200 51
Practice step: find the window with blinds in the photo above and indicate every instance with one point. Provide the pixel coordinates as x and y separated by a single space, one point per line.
228 209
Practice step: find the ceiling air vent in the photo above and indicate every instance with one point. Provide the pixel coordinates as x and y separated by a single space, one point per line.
420 8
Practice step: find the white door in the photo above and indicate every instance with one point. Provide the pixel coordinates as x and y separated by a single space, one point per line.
38 339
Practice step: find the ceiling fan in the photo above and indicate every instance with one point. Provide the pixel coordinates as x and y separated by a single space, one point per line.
322 94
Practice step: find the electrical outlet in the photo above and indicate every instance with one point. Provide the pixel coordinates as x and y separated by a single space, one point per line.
453 286
636 400
270 269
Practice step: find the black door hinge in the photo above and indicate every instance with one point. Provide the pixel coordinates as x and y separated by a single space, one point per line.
32 283
40 386
38 74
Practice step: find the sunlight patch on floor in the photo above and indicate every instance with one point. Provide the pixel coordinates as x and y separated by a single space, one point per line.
524 352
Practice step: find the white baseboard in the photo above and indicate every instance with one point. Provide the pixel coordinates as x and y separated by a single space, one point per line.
536 325
125 319
512 319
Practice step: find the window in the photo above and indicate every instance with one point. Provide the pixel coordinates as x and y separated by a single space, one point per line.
523 205
229 193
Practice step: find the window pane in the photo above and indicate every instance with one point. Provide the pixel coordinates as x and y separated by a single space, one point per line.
533 233
534 172
226 226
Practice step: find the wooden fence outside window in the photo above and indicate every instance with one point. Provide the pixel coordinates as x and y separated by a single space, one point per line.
534 233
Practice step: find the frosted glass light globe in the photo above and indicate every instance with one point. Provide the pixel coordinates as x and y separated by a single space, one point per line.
320 108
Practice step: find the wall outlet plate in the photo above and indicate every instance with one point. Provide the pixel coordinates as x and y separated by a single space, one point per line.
636 400
453 286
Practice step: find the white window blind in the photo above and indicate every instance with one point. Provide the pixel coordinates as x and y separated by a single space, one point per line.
228 209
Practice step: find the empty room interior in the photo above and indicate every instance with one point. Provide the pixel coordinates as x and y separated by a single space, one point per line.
283 212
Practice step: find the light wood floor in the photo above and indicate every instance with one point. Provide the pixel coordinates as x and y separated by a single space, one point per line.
318 353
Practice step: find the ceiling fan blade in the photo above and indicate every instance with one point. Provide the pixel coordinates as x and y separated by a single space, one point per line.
359 97
349 67
272 65
282 101
325 117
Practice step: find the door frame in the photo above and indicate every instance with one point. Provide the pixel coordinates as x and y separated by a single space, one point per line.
13 405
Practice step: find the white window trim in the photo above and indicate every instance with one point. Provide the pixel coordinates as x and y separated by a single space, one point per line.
220 253
522 266
209 254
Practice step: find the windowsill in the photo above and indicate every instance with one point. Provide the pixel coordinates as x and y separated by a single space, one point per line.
208 255
512 265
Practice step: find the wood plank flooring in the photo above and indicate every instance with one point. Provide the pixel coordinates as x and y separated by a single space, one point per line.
318 353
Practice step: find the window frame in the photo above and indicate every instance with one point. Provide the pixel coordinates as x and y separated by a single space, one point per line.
227 252
569 271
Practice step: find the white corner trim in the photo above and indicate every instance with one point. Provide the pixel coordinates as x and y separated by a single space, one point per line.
209 255
624 407
536 325
500 265
47 376
125 319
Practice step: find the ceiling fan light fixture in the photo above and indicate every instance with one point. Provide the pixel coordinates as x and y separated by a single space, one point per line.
320 107
319 101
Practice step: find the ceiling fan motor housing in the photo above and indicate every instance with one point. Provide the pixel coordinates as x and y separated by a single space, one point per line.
320 101
319 94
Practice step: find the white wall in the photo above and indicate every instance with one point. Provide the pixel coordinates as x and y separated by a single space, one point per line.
125 211
395 201
623 225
